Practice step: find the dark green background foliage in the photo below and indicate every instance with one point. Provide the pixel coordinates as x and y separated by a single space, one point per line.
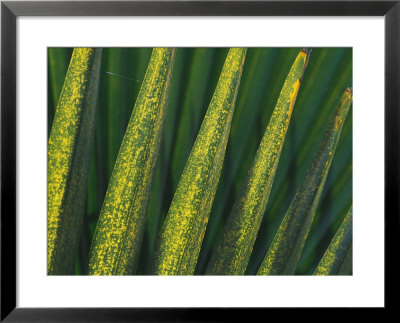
194 78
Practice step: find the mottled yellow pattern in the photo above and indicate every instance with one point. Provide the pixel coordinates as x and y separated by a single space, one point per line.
117 239
69 149
234 249
285 250
185 224
339 247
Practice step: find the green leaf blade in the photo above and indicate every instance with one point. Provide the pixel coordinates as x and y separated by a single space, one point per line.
286 247
192 109
115 62
117 239
185 224
158 207
337 258
69 150
234 249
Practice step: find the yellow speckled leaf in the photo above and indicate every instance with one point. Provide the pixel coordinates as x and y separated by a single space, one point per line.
287 245
69 149
337 254
184 227
118 236
234 248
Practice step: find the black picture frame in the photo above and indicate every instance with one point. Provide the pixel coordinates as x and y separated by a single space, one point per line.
10 10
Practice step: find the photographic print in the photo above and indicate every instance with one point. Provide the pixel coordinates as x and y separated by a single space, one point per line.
199 161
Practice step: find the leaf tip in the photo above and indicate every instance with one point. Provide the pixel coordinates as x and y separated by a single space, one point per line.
348 95
307 51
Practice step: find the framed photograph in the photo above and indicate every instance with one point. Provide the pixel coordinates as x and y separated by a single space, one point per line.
179 160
